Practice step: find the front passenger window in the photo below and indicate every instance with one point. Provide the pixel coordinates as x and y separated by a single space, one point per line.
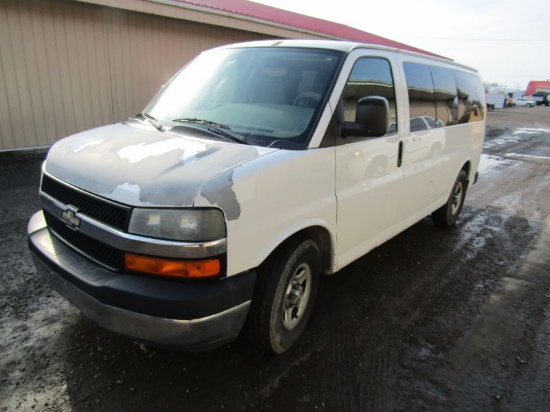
371 76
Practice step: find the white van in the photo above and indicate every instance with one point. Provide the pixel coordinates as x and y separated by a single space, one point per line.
257 168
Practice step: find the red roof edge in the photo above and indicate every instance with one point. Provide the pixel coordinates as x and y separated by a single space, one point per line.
302 22
534 85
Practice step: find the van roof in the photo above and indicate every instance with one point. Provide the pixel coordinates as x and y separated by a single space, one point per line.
339 45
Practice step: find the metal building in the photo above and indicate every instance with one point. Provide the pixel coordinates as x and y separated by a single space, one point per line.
70 65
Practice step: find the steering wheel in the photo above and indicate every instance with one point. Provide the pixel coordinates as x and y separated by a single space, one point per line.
307 99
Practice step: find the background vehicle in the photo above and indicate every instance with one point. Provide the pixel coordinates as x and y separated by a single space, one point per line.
524 101
542 98
495 100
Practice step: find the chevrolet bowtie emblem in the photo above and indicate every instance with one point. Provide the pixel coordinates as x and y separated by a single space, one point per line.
69 217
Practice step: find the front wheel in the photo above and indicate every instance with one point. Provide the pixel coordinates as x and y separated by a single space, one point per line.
284 296
448 214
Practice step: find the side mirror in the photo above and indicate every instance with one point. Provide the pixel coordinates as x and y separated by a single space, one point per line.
371 118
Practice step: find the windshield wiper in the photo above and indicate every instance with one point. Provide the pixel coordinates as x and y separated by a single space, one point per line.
216 128
152 120
203 121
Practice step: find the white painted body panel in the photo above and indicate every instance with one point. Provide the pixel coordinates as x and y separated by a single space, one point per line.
368 193
368 181
279 195
378 199
433 158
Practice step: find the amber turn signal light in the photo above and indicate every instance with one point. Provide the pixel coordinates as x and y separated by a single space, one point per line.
172 268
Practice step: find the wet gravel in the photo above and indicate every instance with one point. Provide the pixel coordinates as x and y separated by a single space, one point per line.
435 319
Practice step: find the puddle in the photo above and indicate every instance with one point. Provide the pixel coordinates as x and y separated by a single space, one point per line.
530 130
514 136
528 158
489 163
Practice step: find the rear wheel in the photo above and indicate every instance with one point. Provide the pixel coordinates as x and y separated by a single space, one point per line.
448 214
285 292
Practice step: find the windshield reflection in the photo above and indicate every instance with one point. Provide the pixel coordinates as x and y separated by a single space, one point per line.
265 95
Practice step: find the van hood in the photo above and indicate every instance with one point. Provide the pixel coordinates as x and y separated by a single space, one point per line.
143 167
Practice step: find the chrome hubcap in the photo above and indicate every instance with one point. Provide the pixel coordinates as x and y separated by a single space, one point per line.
297 296
457 198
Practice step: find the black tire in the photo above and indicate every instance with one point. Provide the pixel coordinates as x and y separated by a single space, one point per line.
448 214
284 296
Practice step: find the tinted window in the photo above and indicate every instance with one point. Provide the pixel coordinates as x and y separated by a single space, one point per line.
441 97
445 96
370 77
470 108
421 96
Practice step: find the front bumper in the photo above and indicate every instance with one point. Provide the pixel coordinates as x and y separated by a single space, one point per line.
164 312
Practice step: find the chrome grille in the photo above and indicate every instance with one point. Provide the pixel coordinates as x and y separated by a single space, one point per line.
109 213
101 253
104 211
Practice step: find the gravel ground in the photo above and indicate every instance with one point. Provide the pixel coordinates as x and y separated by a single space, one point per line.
438 320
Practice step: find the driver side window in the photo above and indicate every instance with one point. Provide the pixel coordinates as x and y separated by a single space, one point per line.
371 76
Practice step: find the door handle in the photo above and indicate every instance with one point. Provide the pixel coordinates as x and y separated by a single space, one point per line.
400 154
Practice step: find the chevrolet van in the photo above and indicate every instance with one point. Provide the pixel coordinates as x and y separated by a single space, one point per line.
256 170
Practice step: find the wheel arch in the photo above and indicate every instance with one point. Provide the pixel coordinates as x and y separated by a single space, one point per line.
320 235
467 167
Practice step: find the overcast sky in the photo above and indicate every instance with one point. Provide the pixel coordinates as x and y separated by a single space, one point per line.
508 41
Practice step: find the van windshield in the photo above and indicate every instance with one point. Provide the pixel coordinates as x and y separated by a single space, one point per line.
268 96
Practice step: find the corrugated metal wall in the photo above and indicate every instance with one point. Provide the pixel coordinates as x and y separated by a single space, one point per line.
67 66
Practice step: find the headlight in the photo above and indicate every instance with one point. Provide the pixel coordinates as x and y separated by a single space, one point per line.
191 225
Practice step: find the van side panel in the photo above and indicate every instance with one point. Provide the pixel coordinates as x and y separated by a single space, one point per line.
439 133
368 191
444 132
277 197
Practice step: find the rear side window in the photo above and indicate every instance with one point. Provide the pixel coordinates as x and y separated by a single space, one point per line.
371 76
470 108
446 105
421 97
440 97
